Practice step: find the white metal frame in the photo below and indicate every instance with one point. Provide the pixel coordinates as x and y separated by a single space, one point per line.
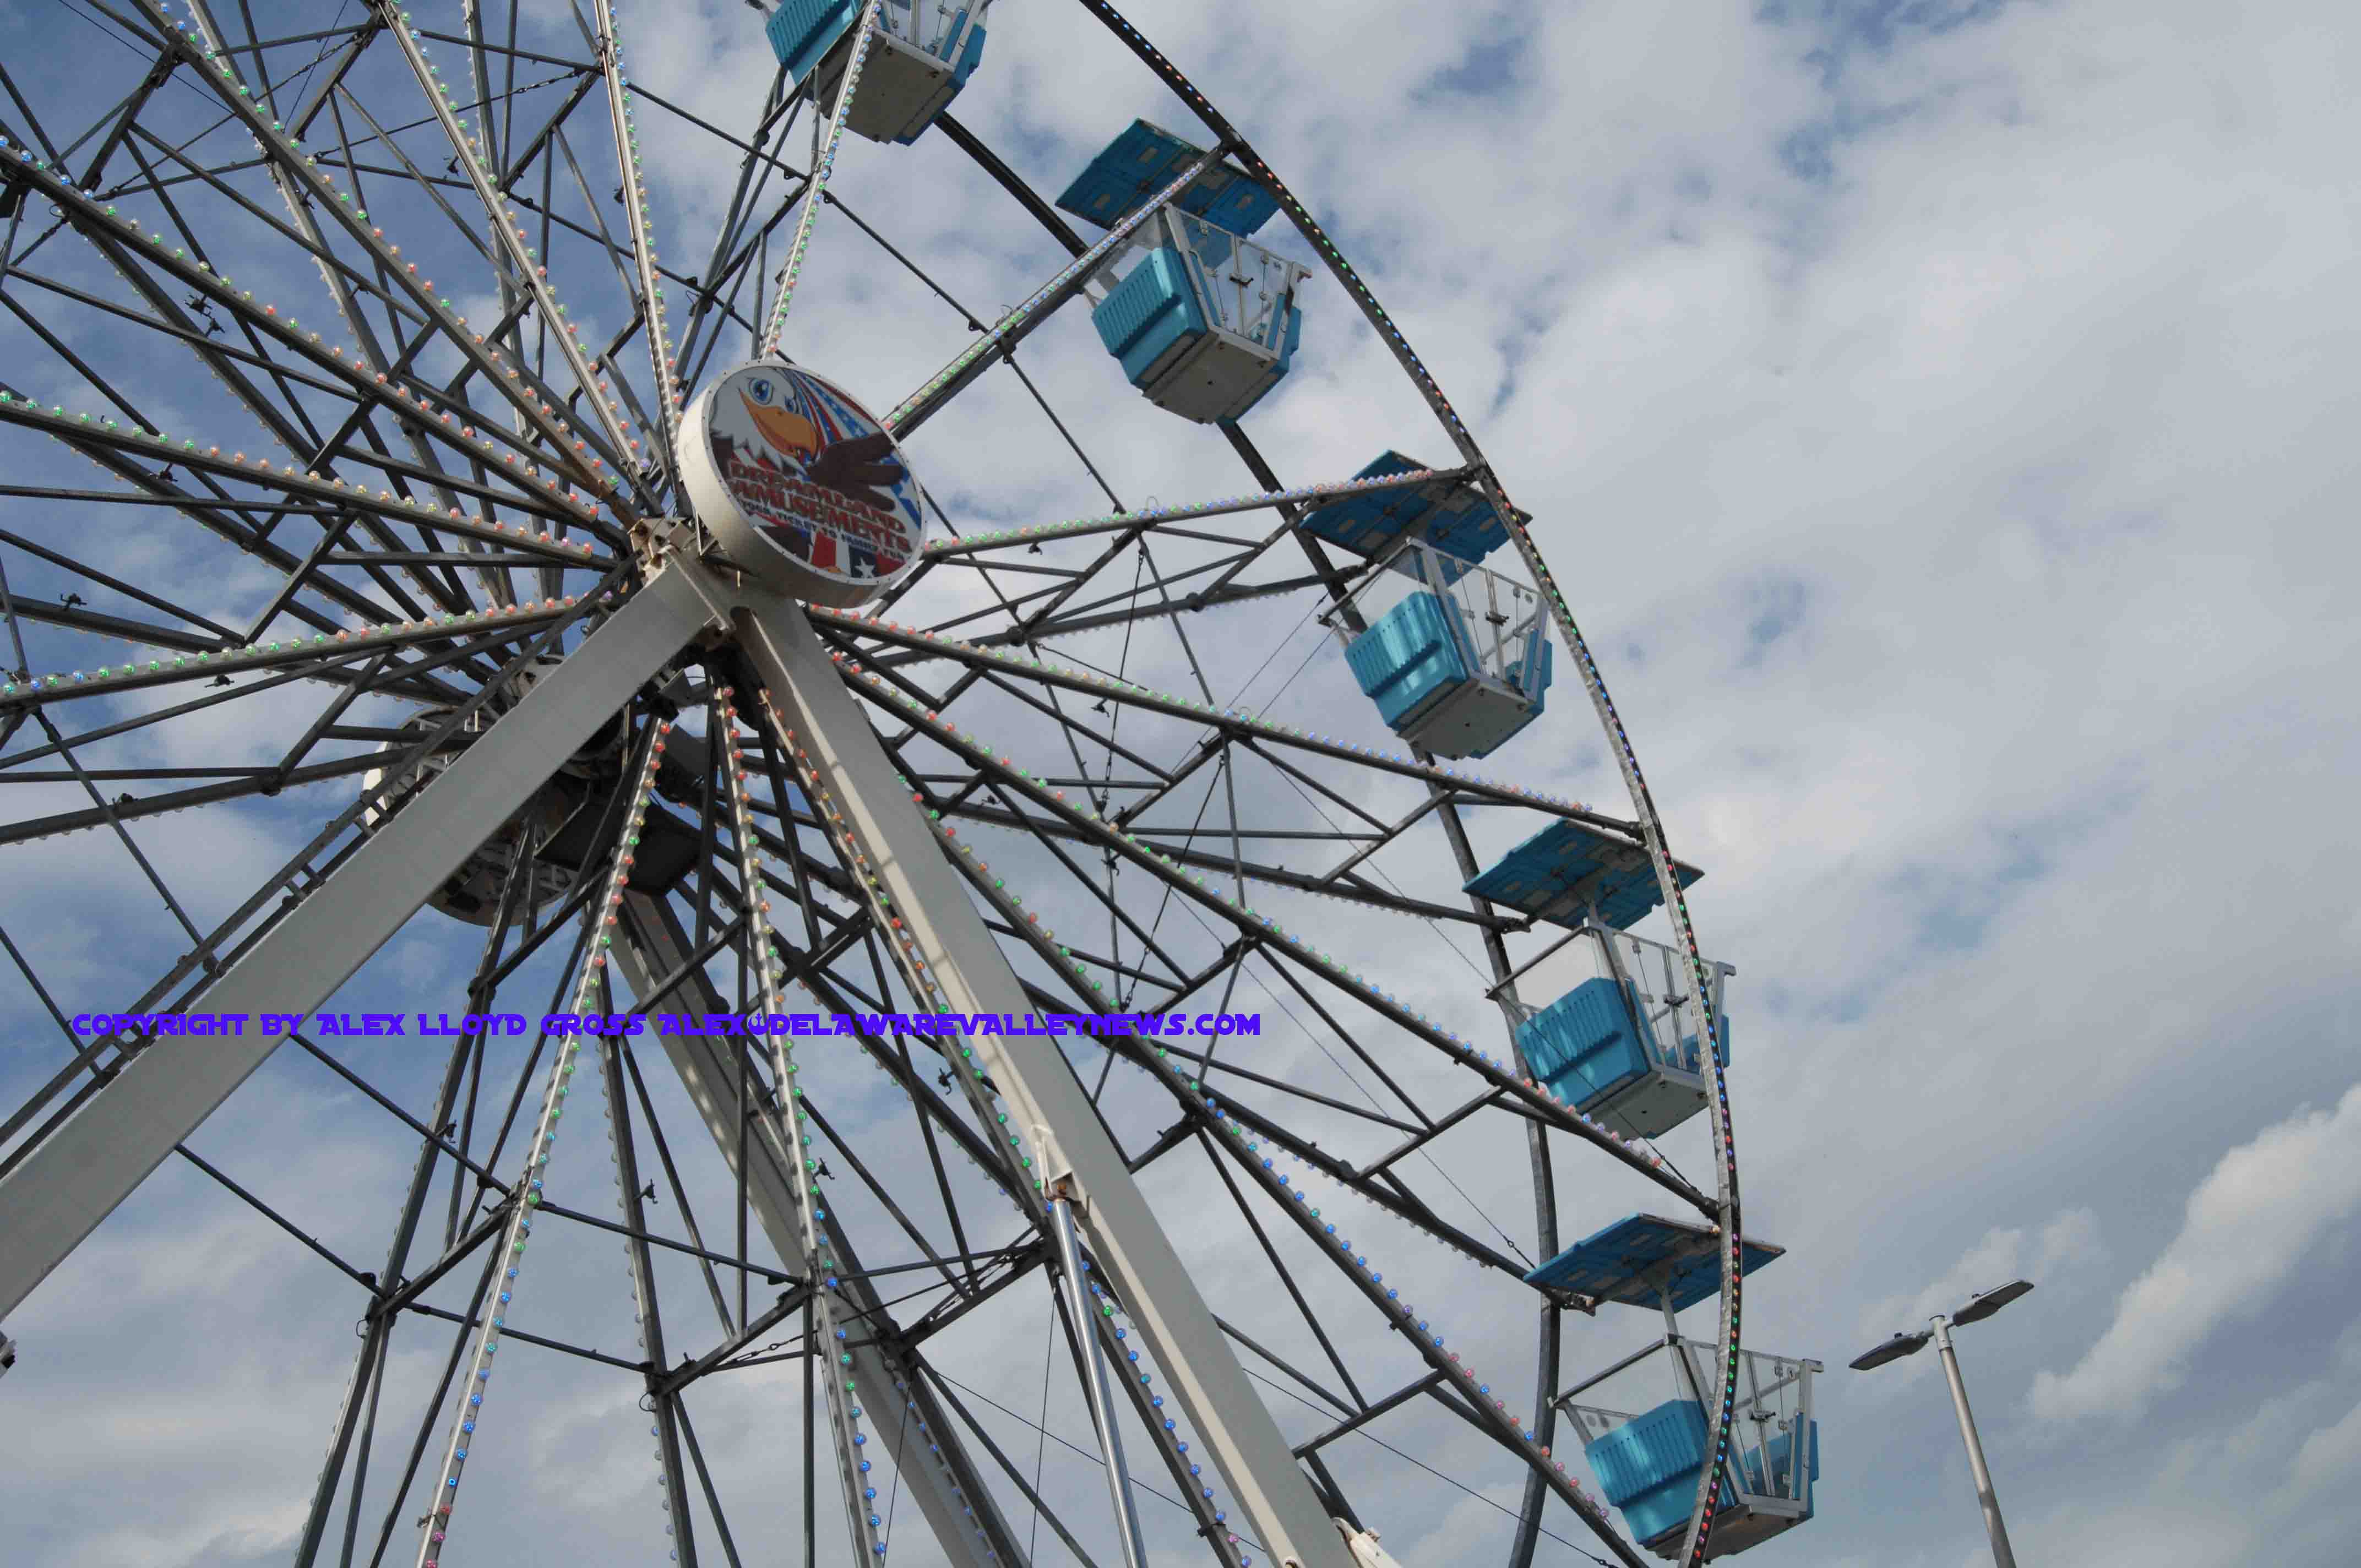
1033 1076
77 1177
81 1172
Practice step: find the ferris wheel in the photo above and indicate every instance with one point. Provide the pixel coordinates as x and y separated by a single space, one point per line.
552 613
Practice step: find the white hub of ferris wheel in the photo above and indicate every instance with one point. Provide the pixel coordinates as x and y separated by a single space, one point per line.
800 485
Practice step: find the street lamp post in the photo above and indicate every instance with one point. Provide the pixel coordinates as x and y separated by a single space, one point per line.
1981 1306
2002 1555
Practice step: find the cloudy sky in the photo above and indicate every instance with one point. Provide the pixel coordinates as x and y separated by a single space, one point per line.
1938 414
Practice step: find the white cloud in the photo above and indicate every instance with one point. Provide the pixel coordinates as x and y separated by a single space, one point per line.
2250 1223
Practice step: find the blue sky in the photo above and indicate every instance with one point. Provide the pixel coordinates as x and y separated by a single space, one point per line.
1934 410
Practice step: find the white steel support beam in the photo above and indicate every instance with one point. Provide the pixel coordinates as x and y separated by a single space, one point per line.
78 1176
1032 1074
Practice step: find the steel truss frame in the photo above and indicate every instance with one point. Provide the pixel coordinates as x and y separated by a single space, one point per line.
137 1100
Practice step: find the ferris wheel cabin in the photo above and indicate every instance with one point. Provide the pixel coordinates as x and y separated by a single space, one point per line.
1203 320
1649 1451
1456 658
923 54
1612 1044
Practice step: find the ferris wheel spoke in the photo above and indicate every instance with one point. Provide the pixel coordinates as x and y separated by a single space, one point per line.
365 1383
526 1197
1207 1065
1158 1061
1010 816
1039 624
1135 527
864 32
1488 1415
32 121
1041 1507
731 259
1001 339
1085 824
885 1200
471 154
252 323
322 656
802 1190
162 487
1373 1190
298 178
1160 518
1287 1280
1185 860
354 682
664 368
899 1066
181 800
680 1525
1352 1045
304 871
1369 1185
1072 729
434 410
1199 1497
326 498
1228 721
1075 623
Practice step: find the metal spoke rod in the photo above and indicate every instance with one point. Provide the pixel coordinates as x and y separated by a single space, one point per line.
1230 720
627 165
474 161
510 1247
286 157
1004 335
816 188
1006 537
1006 1160
827 1295
1088 1350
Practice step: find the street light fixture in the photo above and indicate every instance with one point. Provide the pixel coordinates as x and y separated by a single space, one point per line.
1981 1305
1894 1349
1984 1303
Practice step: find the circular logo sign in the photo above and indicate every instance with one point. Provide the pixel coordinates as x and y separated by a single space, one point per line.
801 485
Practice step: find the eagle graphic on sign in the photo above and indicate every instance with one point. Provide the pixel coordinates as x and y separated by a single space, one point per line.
855 513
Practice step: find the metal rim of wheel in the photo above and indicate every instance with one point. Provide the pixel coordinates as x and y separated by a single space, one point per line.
430 518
